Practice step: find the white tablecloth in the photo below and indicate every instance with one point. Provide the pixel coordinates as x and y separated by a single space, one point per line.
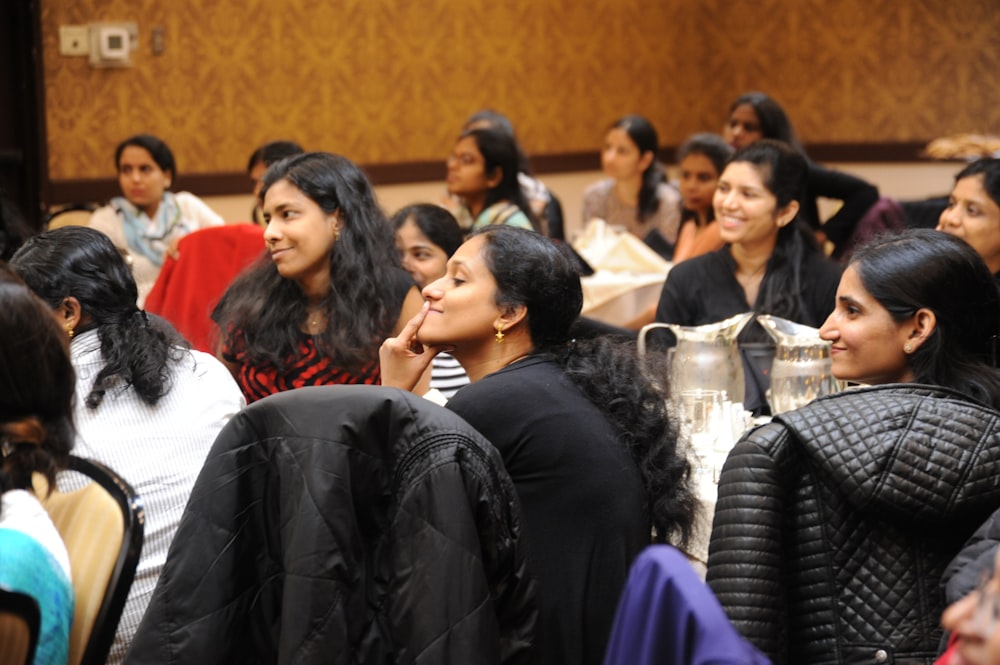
618 297
706 465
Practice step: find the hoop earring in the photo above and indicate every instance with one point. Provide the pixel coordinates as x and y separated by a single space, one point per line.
499 335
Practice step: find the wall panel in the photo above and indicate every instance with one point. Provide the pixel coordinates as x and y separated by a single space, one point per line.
388 81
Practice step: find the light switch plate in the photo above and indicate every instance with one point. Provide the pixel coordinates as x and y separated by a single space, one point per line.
112 43
74 40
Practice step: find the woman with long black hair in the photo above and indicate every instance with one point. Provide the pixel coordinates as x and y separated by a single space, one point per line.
584 433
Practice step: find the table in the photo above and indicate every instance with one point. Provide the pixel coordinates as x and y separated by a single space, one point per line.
706 466
618 297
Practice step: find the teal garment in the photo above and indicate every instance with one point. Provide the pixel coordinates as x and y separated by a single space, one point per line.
151 237
26 566
504 213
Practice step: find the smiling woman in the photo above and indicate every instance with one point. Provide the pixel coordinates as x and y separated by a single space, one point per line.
832 513
770 263
755 116
315 309
584 433
148 220
973 212
918 306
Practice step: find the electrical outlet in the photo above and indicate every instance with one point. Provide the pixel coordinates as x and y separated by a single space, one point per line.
74 40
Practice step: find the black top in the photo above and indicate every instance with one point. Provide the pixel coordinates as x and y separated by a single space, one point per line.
312 366
582 498
704 290
857 196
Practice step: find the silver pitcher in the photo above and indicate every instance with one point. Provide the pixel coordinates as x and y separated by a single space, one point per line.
802 369
706 357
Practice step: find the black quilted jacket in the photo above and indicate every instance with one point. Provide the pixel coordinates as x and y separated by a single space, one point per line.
835 522
345 524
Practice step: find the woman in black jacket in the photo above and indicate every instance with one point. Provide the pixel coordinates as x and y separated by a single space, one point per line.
835 522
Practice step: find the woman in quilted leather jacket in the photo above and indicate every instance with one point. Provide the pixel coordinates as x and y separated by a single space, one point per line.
835 521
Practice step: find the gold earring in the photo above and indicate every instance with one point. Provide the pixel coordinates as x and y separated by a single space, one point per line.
70 331
908 348
499 334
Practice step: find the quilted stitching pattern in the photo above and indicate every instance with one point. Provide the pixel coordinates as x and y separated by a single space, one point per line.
834 523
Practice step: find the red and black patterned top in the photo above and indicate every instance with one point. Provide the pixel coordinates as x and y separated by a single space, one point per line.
312 368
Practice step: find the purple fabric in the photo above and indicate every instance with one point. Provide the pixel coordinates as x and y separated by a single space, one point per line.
668 616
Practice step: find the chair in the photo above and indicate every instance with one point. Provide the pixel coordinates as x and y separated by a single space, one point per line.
345 524
102 527
188 287
20 622
74 214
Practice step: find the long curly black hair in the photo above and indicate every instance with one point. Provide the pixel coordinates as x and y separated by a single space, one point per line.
267 310
531 270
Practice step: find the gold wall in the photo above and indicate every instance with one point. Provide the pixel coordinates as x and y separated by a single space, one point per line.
390 81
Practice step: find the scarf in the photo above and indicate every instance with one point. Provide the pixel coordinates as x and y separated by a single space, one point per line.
149 237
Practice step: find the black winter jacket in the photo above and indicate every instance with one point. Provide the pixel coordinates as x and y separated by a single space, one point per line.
345 524
835 522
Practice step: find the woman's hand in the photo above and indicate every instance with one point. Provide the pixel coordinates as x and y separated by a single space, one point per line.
172 251
403 358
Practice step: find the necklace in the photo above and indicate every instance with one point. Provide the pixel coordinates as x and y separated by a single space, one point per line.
745 278
314 321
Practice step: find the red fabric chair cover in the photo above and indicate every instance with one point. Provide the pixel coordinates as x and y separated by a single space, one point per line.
188 287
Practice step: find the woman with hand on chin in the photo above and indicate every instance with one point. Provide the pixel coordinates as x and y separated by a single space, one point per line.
148 220
770 263
426 237
584 435
315 310
835 521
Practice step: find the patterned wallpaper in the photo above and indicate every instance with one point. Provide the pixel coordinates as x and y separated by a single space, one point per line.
390 81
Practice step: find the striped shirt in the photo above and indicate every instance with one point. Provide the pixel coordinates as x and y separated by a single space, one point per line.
158 449
447 375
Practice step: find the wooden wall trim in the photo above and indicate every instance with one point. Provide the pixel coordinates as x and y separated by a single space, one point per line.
234 183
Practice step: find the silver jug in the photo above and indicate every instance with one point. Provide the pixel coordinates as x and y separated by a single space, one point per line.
706 357
802 369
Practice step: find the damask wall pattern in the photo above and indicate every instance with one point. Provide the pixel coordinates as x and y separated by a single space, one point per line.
390 81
